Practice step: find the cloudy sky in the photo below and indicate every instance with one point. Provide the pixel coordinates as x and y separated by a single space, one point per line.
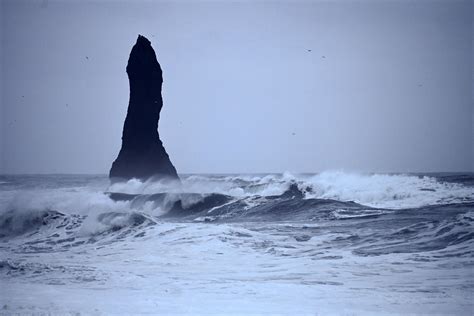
252 86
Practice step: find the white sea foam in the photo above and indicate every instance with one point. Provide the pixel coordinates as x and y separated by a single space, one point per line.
74 201
348 214
173 267
376 190
387 191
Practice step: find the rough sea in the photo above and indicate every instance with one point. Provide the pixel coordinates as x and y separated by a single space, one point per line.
332 243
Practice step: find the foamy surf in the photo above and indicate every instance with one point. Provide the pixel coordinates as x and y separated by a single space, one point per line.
332 242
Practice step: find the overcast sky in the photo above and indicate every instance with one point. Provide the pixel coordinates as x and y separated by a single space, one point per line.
304 86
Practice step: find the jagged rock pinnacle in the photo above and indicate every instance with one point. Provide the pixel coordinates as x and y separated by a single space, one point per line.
142 154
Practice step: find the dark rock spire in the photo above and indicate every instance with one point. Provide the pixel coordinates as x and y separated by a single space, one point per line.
142 154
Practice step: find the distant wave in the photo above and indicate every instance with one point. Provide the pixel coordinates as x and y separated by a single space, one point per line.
328 196
375 190
249 194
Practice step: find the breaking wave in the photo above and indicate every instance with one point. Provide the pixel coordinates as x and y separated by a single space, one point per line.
331 232
437 213
375 190
344 194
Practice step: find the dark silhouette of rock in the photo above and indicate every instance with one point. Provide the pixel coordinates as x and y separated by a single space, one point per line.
142 154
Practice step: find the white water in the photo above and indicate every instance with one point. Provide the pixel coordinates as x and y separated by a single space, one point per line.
220 269
108 265
377 190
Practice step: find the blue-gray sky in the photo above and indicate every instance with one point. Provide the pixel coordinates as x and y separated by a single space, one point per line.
253 86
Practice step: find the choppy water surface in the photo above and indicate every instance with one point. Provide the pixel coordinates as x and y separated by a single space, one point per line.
328 243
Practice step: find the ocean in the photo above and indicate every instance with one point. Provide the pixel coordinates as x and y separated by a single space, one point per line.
332 243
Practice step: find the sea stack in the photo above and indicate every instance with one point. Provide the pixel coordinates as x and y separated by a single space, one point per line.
142 155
